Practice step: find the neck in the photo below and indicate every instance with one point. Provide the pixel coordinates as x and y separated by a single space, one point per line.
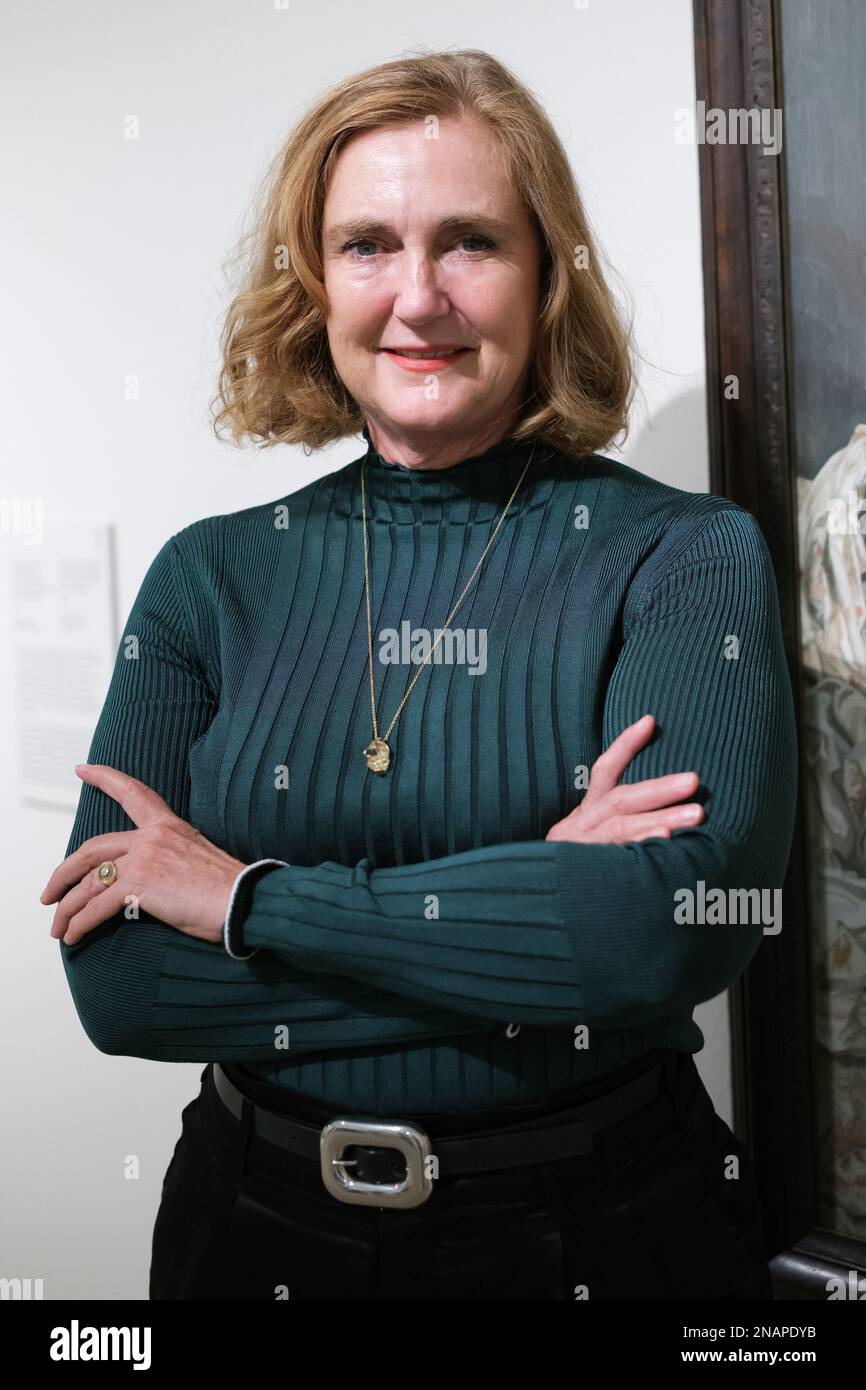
472 489
434 449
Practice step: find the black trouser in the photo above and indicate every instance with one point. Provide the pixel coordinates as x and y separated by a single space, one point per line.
648 1214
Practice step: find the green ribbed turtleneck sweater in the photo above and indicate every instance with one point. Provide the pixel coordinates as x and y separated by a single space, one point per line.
425 948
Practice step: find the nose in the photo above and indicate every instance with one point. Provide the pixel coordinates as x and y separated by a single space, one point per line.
419 290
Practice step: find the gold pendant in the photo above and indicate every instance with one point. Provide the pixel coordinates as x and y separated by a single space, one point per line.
378 755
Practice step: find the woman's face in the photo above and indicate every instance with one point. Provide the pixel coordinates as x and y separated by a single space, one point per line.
426 246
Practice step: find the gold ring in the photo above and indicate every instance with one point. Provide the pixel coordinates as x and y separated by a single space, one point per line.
107 872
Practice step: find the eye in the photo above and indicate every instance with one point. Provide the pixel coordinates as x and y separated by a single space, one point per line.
352 246
486 243
359 241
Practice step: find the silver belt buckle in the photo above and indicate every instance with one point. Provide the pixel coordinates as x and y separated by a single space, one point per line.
412 1141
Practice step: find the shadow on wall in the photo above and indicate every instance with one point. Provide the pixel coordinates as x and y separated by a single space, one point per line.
673 445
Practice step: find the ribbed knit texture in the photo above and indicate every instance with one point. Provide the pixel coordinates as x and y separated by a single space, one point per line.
423 912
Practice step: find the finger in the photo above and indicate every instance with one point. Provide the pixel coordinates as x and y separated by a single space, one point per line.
655 793
88 908
620 830
659 832
612 763
88 856
140 802
72 902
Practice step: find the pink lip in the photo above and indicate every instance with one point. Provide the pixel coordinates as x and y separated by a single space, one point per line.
424 364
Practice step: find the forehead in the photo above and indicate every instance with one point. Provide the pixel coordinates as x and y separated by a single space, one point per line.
394 167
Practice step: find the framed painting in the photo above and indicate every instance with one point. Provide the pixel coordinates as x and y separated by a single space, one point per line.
780 118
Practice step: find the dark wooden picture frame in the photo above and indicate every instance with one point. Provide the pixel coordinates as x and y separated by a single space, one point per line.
748 320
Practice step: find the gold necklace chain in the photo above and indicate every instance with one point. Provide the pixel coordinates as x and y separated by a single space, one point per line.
378 752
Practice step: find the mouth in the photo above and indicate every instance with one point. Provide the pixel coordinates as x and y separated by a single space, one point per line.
426 359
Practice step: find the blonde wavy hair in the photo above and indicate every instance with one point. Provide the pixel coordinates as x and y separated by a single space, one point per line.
278 383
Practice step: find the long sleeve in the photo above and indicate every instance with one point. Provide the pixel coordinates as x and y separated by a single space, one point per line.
142 988
556 933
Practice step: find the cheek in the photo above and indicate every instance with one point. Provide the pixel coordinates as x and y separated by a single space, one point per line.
497 309
355 312
512 316
364 302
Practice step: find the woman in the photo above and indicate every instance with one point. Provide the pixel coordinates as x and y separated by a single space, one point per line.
429 926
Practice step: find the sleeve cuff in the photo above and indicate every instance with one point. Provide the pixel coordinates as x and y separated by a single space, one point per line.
239 905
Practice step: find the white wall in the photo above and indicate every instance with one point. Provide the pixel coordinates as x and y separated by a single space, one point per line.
113 266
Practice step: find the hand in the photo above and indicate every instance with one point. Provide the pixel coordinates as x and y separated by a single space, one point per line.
167 865
619 815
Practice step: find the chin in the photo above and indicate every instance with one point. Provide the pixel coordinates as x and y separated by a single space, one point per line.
412 410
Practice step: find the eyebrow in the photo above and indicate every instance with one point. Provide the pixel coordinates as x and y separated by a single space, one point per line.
370 227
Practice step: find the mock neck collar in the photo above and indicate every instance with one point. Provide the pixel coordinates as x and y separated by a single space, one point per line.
474 489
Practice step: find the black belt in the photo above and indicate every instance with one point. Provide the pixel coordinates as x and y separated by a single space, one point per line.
374 1147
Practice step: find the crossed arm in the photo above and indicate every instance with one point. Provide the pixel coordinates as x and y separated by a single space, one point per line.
539 932
555 933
